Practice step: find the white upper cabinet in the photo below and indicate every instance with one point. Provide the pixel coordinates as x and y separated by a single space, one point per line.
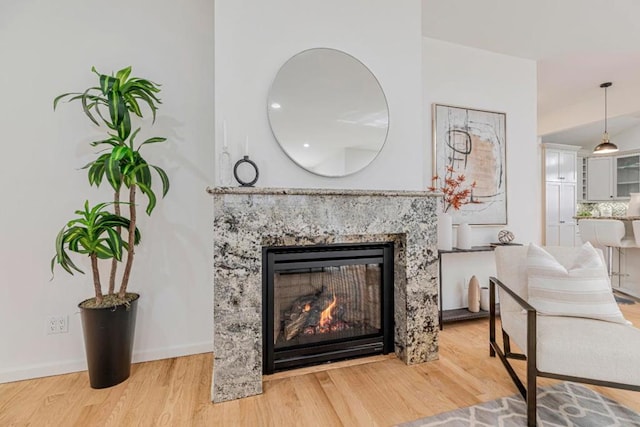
599 178
560 165
613 177
627 176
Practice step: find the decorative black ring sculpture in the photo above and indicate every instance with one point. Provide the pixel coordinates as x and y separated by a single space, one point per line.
245 159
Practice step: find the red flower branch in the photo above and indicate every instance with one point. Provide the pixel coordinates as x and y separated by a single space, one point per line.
455 193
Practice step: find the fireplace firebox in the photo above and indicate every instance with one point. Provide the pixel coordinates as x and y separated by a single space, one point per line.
324 303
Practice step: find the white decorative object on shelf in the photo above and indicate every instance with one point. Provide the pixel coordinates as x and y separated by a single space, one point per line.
474 295
464 236
445 231
484 299
634 205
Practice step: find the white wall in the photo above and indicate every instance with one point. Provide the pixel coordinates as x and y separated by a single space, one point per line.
621 100
628 140
254 39
48 48
468 77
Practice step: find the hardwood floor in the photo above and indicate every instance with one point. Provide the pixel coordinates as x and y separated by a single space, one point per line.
378 391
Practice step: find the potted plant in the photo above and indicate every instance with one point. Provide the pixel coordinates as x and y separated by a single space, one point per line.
108 319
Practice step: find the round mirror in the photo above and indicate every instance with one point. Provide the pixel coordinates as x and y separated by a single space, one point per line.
328 112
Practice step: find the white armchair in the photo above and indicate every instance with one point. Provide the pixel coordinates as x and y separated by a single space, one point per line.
561 347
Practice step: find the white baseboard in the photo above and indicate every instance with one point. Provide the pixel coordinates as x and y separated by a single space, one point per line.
68 366
169 352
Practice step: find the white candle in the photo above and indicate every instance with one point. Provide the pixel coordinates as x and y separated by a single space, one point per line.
224 134
246 146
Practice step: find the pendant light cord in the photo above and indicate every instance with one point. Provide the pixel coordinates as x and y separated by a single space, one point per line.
605 109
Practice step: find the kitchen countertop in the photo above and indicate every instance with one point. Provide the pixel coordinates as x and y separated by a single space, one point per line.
622 218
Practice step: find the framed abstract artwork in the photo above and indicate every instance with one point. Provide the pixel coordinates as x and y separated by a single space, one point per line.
469 163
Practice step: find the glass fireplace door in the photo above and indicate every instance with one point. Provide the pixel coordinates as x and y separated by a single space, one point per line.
327 303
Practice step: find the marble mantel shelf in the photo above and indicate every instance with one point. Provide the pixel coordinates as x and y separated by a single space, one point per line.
319 192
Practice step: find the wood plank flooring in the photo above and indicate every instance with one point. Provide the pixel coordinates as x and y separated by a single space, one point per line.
377 391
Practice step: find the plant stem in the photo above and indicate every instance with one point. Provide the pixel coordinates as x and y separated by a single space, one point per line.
96 278
114 262
131 242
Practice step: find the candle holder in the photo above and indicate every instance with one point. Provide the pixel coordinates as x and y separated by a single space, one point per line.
242 183
225 168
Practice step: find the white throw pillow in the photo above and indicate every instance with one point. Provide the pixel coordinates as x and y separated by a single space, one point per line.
583 290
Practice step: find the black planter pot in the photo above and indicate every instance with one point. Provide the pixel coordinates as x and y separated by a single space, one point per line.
108 342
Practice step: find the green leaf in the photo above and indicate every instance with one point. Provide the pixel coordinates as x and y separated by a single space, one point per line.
152 141
124 127
133 104
111 141
87 96
150 196
164 178
59 97
107 83
112 172
142 173
123 74
120 152
117 107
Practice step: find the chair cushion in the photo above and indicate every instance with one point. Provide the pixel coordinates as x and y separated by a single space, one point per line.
582 290
584 348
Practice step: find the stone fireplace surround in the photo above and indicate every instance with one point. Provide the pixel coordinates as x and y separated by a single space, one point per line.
246 219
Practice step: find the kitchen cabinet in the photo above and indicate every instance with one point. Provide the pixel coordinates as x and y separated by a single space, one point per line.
560 212
581 179
560 165
561 187
627 175
600 178
613 177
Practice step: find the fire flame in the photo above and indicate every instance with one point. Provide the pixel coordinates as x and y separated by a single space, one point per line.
325 316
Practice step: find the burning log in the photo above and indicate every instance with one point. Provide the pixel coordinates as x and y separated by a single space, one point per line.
313 314
294 325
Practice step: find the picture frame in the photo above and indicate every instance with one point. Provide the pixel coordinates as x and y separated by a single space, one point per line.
469 163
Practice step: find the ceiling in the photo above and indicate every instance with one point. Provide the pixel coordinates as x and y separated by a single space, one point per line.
577 45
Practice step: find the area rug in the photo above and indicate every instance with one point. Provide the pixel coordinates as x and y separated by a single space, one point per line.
564 404
621 300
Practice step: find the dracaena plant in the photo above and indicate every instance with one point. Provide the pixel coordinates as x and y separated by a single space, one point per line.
94 233
112 103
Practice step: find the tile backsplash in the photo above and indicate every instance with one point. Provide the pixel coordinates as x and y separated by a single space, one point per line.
602 209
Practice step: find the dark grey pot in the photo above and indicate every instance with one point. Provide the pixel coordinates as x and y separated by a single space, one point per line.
108 342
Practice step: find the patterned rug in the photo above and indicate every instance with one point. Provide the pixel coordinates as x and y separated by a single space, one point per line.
622 300
564 404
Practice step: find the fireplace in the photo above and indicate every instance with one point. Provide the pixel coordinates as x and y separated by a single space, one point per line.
324 303
247 219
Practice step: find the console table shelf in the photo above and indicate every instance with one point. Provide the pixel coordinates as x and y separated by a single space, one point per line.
447 316
457 314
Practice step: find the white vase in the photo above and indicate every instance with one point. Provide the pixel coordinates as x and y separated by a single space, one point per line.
445 231
484 299
634 205
474 295
464 236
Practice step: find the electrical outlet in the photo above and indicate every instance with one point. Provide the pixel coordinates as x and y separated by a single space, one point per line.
57 325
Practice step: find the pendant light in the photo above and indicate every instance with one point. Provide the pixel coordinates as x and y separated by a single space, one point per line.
605 146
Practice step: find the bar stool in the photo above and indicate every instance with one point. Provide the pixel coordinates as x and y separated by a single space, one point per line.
609 233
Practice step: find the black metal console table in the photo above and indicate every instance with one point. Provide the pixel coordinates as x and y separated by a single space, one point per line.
446 316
